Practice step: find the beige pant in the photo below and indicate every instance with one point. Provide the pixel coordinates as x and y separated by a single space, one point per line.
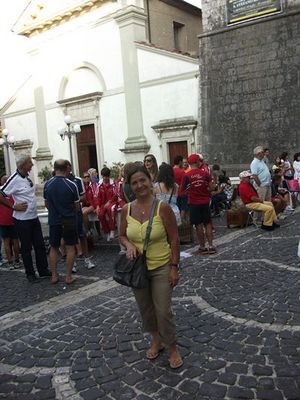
154 304
268 210
264 193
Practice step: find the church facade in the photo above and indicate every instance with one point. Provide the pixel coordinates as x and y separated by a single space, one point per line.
128 77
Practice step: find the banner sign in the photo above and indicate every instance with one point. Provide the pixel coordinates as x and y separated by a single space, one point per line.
242 10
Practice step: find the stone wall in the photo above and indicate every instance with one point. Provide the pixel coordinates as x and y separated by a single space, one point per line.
162 16
249 86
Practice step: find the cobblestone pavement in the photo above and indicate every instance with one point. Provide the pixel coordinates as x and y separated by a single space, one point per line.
237 315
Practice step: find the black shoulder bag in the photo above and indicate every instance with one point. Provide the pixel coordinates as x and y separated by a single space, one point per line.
134 273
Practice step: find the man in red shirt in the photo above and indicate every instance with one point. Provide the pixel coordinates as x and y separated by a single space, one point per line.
252 201
179 176
198 183
9 233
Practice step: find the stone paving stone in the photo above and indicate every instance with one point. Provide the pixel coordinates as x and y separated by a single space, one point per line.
44 382
92 394
24 388
269 395
247 381
240 393
189 387
167 394
227 378
262 370
213 390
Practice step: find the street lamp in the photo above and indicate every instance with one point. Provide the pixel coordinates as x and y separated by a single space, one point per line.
69 131
7 142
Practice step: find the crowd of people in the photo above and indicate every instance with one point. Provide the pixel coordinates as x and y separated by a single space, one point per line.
190 192
195 192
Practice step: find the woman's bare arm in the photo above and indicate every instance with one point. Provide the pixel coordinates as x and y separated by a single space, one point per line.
169 221
131 249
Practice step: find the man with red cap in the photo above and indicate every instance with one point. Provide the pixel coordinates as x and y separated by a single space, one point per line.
198 184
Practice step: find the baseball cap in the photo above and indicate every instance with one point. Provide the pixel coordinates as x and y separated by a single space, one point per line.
193 158
244 174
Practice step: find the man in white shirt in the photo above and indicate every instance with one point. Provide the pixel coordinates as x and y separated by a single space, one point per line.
26 221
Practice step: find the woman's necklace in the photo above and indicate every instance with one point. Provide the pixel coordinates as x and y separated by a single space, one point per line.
141 210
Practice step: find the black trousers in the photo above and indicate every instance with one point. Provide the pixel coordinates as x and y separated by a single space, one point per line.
30 235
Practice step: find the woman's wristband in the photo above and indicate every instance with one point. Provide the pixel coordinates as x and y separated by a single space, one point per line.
174 265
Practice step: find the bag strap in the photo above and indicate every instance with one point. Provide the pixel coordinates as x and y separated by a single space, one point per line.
149 227
171 195
124 193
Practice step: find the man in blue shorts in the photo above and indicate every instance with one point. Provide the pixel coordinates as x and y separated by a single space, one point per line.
62 200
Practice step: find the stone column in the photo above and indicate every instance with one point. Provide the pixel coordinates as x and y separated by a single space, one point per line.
132 25
43 153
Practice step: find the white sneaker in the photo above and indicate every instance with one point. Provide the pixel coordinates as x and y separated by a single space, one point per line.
17 264
108 237
11 266
74 269
112 234
88 263
289 208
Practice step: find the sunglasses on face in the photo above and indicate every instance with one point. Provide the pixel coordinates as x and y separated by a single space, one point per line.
148 160
86 176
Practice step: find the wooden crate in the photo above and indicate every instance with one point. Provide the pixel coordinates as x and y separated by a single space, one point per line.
237 217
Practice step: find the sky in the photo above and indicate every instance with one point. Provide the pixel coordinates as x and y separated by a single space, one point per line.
14 48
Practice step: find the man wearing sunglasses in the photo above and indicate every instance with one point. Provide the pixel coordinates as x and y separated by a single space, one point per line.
26 220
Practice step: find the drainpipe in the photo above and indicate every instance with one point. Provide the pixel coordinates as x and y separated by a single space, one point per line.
148 21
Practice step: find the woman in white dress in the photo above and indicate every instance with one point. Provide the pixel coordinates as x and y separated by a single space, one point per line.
296 166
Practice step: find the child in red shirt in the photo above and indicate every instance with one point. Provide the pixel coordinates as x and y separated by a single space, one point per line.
107 204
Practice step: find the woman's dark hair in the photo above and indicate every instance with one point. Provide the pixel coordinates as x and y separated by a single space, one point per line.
223 179
166 175
296 156
284 155
276 179
105 172
137 167
178 159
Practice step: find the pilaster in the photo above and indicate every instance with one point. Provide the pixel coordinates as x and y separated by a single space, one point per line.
132 25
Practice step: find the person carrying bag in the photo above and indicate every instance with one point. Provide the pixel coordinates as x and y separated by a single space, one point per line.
162 259
134 273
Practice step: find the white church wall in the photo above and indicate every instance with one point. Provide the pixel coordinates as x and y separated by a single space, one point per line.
167 101
156 64
113 127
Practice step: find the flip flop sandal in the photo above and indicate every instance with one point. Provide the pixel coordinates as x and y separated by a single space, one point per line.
72 281
153 356
177 363
55 281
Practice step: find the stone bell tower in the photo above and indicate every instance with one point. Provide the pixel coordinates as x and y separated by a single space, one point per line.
249 80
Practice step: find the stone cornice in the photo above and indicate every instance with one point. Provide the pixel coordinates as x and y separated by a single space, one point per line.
79 99
59 18
177 123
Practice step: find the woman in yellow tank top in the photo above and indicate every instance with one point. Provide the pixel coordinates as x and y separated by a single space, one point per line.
154 302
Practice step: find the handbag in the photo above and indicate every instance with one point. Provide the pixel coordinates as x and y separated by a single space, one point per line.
134 273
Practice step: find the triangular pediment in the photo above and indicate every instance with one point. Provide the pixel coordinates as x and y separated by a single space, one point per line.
41 15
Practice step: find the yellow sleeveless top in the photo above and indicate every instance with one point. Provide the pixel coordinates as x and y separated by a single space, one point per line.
158 251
